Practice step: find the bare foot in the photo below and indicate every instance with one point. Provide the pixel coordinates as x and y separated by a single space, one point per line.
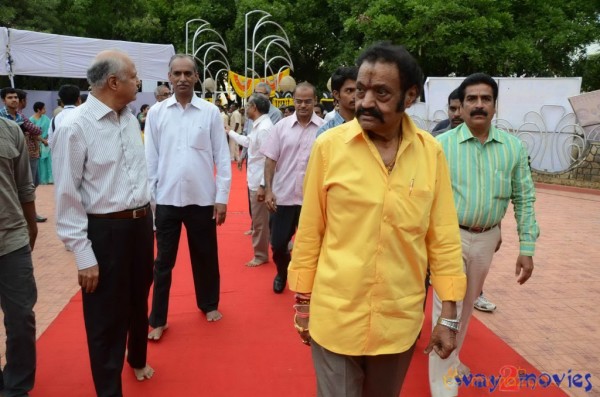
255 262
157 333
142 374
213 316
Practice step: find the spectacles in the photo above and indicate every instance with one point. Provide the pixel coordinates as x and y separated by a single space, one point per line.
167 94
303 101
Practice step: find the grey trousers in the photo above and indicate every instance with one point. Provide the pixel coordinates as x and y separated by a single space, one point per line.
260 225
339 375
18 294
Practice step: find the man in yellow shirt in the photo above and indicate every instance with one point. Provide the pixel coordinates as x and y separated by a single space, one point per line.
378 207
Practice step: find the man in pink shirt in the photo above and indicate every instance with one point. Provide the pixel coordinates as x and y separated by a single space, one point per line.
287 150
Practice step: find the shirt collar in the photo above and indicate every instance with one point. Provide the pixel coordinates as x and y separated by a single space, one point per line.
338 118
99 109
464 134
7 114
313 119
259 120
195 102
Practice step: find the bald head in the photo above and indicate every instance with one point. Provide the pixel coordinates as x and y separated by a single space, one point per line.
113 78
107 63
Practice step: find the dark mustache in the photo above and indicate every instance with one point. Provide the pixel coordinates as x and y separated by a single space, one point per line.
479 112
373 112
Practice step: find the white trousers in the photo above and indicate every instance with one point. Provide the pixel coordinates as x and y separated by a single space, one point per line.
477 252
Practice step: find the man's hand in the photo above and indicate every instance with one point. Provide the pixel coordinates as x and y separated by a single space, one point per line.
45 142
524 268
33 232
88 279
442 341
220 213
260 194
240 163
271 201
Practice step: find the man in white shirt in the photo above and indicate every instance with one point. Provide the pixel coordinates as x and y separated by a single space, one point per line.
69 96
185 140
103 216
257 110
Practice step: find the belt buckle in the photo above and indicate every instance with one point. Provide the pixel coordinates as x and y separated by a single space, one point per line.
138 213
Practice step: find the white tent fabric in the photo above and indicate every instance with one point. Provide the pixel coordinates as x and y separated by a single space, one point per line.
52 55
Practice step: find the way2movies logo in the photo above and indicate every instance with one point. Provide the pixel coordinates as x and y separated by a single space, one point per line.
511 378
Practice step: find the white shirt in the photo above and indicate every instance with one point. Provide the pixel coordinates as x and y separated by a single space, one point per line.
183 146
58 119
256 161
99 167
330 116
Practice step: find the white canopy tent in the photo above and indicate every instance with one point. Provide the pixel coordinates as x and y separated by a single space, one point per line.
29 53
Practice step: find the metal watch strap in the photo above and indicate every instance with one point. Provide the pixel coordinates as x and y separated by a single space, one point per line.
454 325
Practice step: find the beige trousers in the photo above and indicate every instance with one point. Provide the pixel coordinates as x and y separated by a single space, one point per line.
260 225
478 251
234 150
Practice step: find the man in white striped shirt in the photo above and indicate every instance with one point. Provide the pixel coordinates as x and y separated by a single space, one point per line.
104 218
185 142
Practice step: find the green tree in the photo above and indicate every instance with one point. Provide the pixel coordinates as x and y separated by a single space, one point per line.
29 15
500 37
589 69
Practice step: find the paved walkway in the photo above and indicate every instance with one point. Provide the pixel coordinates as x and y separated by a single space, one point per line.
552 320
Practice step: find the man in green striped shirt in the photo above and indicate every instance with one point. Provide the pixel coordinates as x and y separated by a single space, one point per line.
488 167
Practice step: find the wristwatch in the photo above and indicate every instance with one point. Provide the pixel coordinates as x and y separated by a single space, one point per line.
453 324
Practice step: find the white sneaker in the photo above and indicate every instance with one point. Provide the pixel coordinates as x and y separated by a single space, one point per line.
484 305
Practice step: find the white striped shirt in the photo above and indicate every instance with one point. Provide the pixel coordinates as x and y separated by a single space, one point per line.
99 167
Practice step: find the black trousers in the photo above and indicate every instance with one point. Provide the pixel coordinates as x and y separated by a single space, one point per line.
124 249
283 225
18 295
202 241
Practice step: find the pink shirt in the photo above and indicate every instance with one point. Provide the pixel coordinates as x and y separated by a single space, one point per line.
289 144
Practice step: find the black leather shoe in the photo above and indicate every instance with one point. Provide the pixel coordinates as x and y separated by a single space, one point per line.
278 284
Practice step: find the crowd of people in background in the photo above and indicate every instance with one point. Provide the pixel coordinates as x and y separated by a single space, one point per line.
366 201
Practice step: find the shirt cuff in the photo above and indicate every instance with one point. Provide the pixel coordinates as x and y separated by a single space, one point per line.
85 259
301 280
450 288
527 248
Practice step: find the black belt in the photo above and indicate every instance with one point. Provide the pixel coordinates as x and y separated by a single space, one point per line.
127 214
476 229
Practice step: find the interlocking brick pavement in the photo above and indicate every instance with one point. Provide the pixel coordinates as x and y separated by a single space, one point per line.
552 320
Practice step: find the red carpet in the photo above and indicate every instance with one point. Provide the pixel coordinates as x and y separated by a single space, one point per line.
252 351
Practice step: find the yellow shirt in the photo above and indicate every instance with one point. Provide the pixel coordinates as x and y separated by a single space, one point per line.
365 238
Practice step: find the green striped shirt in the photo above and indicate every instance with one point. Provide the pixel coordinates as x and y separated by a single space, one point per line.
484 178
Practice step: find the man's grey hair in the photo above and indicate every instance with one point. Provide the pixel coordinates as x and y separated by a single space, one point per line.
157 89
261 102
99 72
264 85
184 56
